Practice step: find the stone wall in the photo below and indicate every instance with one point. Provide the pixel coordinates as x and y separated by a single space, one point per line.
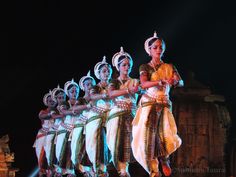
202 120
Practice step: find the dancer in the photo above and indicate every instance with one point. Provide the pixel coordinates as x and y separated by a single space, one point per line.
96 146
58 96
45 116
79 156
154 129
63 149
119 134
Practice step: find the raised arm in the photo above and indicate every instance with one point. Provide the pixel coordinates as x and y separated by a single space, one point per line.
145 79
45 115
65 111
114 90
96 95
78 108
176 80
120 92
57 116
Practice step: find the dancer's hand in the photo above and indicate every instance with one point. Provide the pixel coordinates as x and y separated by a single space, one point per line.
161 83
133 89
165 82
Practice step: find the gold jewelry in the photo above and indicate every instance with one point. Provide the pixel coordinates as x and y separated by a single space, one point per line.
122 83
153 66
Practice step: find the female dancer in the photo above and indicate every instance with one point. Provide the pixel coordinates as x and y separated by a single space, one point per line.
122 112
78 154
96 146
58 95
45 116
63 150
154 129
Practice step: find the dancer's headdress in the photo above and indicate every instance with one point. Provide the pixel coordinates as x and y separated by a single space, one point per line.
81 81
97 67
68 84
147 46
119 58
56 91
45 97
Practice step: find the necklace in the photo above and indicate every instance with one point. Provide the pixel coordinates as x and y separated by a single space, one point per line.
153 66
87 98
71 104
122 83
102 85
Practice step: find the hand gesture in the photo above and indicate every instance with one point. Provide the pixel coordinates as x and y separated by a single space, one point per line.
133 89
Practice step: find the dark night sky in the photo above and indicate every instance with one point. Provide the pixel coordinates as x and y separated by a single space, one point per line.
51 42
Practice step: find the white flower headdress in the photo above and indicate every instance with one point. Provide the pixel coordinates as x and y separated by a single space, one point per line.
88 76
56 91
147 46
45 97
97 67
116 56
68 84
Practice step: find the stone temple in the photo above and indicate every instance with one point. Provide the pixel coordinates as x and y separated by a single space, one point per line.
203 121
6 158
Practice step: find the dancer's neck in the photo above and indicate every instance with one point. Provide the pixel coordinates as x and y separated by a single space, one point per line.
156 61
124 76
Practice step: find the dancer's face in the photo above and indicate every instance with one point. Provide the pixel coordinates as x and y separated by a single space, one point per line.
61 97
51 103
125 67
105 73
156 49
73 92
88 84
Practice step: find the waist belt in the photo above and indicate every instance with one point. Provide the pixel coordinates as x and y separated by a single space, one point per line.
124 105
99 110
68 127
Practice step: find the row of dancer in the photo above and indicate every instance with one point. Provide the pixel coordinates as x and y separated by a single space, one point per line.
83 134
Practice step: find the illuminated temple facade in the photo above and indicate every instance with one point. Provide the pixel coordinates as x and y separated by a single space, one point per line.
203 121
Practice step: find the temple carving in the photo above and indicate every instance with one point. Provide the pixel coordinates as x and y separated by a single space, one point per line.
6 158
203 120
